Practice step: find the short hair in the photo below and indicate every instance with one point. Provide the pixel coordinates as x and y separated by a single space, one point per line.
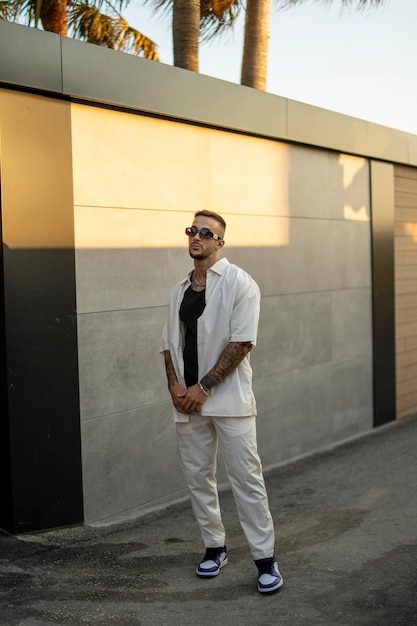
214 216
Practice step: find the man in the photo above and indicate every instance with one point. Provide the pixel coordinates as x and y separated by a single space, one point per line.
211 328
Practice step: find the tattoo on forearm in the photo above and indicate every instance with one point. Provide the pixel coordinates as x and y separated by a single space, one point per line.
228 361
169 367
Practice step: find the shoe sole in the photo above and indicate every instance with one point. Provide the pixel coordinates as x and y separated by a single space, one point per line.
211 574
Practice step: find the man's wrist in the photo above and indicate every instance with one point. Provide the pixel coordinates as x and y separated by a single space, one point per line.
204 389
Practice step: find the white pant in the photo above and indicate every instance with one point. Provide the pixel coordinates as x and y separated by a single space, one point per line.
198 440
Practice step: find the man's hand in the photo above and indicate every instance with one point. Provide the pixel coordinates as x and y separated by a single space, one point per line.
192 399
177 392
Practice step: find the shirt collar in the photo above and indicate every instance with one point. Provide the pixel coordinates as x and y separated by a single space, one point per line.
218 267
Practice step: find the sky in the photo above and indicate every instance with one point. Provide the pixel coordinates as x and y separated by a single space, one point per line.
362 64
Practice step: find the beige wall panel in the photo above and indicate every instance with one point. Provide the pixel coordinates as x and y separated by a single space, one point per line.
128 258
411 343
132 258
405 315
407 405
409 355
249 176
406 387
405 212
402 201
408 373
406 257
129 161
408 329
36 171
406 288
405 181
407 271
404 242
405 176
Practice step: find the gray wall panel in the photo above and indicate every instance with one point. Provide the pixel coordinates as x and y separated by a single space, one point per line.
119 361
303 265
126 278
130 463
352 396
351 323
293 333
30 57
158 88
350 254
315 126
294 412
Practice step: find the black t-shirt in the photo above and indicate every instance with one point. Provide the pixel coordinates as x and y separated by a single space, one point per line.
192 307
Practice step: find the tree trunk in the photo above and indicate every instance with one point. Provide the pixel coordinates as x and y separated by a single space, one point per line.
255 50
54 16
185 33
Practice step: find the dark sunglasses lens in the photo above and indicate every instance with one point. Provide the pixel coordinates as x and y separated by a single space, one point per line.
191 231
206 233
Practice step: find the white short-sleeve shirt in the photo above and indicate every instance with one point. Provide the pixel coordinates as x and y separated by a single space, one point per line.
231 314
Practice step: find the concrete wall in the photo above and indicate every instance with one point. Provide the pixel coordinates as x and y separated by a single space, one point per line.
298 221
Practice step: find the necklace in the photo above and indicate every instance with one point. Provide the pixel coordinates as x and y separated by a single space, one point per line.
197 282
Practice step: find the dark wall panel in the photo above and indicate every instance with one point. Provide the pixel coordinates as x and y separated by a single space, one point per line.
40 332
383 290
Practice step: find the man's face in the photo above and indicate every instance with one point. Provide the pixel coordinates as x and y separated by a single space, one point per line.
200 248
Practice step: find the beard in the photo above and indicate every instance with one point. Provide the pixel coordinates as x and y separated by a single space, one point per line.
199 255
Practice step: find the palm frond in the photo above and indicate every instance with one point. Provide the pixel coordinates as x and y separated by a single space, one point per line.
13 10
88 23
4 10
217 16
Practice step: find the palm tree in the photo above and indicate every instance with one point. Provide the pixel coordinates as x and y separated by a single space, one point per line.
255 51
83 20
186 33
194 21
255 46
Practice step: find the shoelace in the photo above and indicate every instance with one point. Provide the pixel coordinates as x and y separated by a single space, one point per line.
267 567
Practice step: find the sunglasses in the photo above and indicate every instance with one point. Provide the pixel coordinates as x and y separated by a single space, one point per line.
205 233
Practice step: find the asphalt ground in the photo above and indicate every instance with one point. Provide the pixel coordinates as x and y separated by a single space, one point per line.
346 525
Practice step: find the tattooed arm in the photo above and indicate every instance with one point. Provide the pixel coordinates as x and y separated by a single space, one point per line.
175 389
232 355
193 398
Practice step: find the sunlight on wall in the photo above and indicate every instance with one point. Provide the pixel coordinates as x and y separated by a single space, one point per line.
410 229
353 170
138 182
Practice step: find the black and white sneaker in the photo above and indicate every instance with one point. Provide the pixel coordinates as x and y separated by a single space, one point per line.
214 559
269 578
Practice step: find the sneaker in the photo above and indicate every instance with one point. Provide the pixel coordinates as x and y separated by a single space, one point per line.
269 578
214 559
